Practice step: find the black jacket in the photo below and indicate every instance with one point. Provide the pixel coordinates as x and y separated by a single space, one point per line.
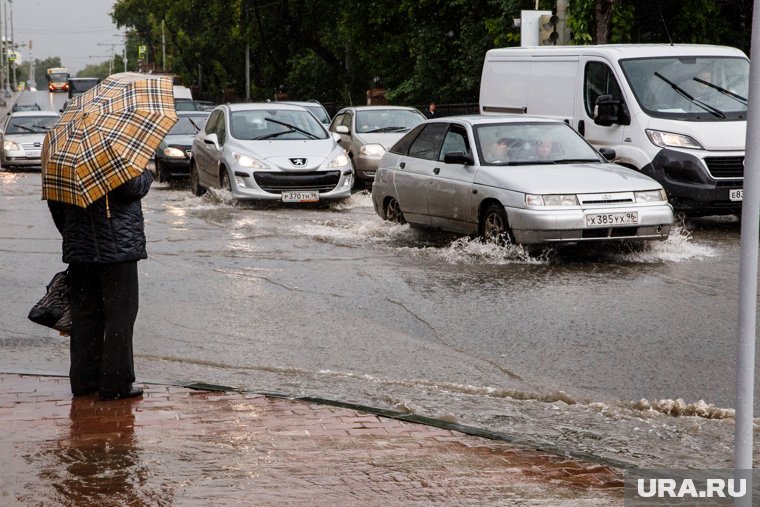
90 236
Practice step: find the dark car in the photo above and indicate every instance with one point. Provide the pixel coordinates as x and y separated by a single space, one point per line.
79 85
173 154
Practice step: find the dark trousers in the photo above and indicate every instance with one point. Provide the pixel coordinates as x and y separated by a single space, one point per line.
104 302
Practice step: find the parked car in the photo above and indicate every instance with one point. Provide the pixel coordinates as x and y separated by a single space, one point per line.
25 107
516 178
314 107
22 136
193 105
367 132
172 157
269 151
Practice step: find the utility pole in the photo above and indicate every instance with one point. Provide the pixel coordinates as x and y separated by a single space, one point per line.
13 47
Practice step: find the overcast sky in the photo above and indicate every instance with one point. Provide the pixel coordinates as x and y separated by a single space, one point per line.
80 32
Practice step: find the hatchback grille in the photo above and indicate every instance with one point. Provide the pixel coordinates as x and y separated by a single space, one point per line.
725 167
276 182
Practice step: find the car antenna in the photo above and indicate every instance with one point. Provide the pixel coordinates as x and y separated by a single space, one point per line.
665 25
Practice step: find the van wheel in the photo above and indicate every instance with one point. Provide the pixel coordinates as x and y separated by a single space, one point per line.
393 212
494 227
195 184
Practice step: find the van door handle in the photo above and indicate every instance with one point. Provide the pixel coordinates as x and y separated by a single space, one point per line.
436 170
402 165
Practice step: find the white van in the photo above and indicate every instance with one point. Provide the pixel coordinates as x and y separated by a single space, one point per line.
677 113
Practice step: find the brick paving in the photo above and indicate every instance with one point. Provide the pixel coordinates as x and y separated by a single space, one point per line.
177 446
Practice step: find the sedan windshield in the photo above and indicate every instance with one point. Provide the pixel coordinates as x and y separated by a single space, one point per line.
532 143
387 120
275 125
31 124
690 88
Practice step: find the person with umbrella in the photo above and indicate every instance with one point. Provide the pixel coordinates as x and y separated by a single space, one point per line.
94 177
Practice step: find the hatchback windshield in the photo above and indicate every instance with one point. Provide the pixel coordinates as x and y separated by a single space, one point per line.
275 124
387 120
31 124
532 143
690 88
188 125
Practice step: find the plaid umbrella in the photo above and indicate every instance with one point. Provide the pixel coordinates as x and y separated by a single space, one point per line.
106 136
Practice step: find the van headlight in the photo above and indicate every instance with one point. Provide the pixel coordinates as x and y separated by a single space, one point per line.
671 140
339 161
651 196
246 161
372 150
551 200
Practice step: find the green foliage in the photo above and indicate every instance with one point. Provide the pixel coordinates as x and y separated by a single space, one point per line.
420 50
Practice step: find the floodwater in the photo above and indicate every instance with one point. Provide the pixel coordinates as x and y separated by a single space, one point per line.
620 353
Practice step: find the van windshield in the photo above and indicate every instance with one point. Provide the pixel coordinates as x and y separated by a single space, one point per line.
701 88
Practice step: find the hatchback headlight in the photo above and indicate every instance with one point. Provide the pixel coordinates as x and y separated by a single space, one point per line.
651 196
10 146
246 161
174 152
339 161
669 139
551 200
372 150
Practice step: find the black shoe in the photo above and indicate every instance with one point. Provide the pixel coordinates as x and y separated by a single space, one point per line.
83 391
132 392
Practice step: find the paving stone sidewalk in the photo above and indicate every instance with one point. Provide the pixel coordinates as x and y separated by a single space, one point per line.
178 446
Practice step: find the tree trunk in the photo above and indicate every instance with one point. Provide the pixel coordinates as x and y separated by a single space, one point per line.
603 15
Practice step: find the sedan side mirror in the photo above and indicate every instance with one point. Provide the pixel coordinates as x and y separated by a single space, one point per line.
212 139
336 136
608 153
458 157
341 129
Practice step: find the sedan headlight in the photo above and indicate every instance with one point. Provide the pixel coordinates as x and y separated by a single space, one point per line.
246 161
372 150
651 196
339 161
10 146
669 139
174 152
551 200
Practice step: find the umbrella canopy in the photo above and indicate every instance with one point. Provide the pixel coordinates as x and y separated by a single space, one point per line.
106 136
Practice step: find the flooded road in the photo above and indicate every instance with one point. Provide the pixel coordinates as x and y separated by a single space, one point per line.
625 354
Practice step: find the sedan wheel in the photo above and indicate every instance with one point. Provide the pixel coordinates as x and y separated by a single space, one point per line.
393 212
494 226
195 184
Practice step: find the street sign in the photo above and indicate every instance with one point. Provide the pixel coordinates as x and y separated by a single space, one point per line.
141 50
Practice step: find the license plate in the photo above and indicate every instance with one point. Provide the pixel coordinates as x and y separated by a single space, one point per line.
310 196
736 194
611 219
33 154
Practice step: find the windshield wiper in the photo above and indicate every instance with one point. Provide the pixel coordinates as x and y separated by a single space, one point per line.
683 93
388 129
573 160
293 127
722 90
276 134
28 129
197 128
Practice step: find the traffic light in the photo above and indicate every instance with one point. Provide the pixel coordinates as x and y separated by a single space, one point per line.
548 31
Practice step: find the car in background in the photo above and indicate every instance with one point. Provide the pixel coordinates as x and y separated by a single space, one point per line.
79 85
193 105
367 132
25 107
172 158
22 136
269 151
516 179
314 107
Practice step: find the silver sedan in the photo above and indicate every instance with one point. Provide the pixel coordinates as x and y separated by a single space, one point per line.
269 151
518 179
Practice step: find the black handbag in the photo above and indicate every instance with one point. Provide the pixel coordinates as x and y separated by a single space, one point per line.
54 309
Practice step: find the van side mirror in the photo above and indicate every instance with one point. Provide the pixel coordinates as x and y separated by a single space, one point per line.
341 129
458 157
609 111
608 153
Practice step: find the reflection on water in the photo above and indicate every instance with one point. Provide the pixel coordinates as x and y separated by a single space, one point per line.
98 462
